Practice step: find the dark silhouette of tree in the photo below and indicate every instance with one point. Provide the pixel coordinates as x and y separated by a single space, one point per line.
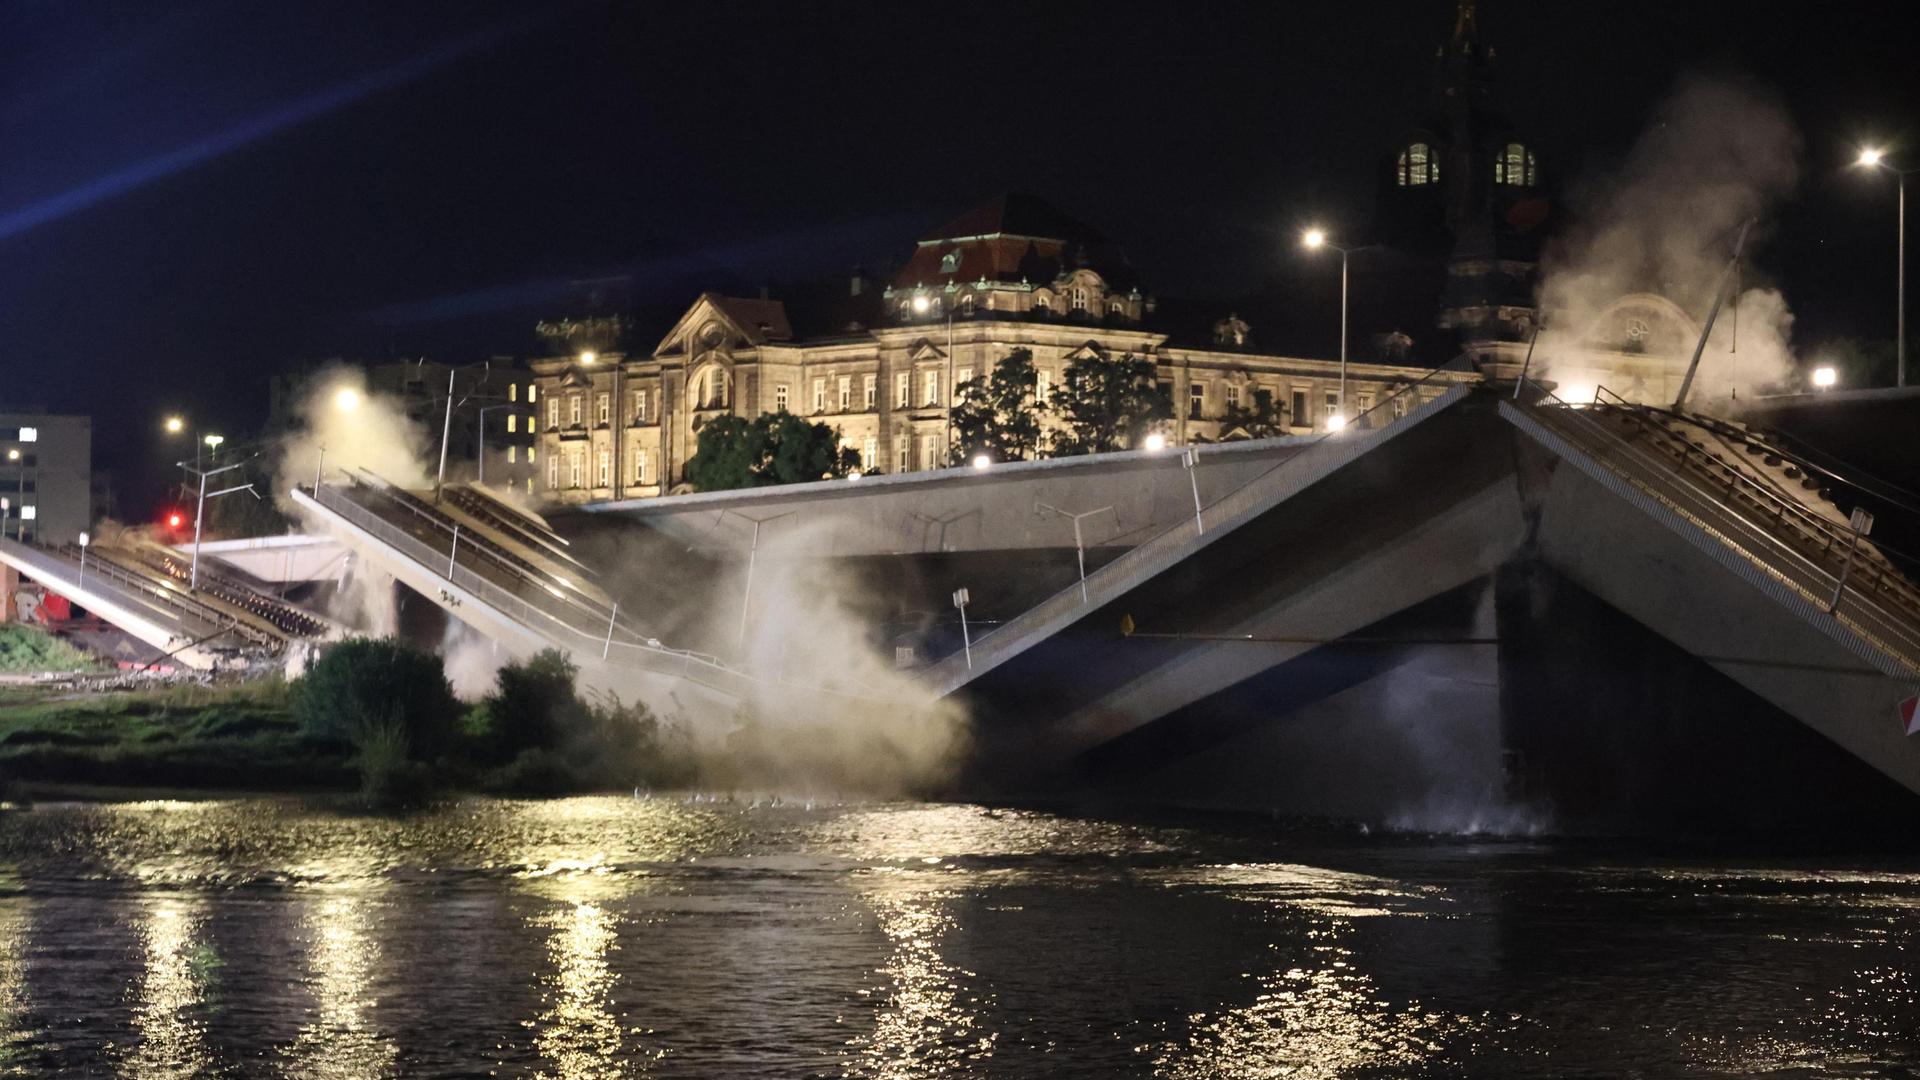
772 448
1262 420
996 413
1108 404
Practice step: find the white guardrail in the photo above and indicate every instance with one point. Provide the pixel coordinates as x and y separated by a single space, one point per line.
613 641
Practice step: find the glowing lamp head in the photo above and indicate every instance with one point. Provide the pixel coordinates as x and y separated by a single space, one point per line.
589 356
346 399
981 461
175 425
1336 422
1871 157
921 304
854 475
1155 441
1824 376
13 455
1314 238
84 539
175 520
215 440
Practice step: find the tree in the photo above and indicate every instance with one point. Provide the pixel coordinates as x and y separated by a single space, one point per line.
772 448
1108 404
378 691
1264 420
997 414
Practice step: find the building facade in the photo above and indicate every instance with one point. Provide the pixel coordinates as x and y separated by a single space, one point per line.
46 476
880 364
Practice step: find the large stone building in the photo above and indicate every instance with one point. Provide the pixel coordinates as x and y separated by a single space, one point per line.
879 363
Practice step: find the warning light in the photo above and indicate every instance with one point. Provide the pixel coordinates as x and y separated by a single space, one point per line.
175 520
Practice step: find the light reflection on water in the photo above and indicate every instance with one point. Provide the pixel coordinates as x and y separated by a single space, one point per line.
615 937
170 992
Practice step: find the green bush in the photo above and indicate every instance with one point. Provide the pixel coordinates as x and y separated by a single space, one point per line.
29 648
545 740
361 687
388 774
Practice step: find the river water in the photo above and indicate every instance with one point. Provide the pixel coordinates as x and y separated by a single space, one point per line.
609 937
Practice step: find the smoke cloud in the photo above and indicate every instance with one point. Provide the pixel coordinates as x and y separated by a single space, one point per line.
340 425
1718 153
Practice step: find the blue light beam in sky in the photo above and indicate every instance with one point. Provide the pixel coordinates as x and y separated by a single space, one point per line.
300 111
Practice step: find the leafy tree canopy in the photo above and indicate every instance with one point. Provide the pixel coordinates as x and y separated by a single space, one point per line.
1263 419
997 414
772 448
1108 404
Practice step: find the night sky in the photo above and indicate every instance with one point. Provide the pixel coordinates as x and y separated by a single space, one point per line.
194 195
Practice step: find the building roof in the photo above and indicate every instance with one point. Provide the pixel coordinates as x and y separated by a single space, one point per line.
1015 214
763 320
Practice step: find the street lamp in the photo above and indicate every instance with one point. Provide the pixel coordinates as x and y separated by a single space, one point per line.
175 425
346 399
920 306
1155 442
84 539
1874 158
981 462
13 457
1824 377
1314 240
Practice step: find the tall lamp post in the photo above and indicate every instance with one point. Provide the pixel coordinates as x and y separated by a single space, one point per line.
1877 159
920 306
1314 240
13 456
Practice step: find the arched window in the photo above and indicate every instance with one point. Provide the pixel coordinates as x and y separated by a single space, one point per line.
1041 303
1515 166
1418 166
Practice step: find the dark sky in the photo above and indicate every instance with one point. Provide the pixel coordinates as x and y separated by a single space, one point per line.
194 194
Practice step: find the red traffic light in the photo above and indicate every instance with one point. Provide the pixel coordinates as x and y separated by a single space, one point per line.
175 519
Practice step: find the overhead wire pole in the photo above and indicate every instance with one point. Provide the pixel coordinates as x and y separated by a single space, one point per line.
1706 330
200 508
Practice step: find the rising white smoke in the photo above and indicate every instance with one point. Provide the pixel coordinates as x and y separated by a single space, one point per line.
834 715
1718 153
339 425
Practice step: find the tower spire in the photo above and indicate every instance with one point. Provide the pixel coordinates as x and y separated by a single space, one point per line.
1466 31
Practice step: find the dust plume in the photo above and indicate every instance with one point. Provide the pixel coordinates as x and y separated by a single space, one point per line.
338 424
832 713
1718 153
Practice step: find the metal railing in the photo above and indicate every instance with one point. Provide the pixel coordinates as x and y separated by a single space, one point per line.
610 639
182 604
1709 493
1223 514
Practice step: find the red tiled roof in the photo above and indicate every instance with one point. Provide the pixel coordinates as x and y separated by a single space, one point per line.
763 320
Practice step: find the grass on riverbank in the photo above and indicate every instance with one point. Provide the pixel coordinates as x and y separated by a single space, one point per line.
29 649
240 736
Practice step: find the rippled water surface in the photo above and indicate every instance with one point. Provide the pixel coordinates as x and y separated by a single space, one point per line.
621 937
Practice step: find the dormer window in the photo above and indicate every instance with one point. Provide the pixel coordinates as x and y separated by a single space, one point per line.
1116 308
1041 303
1514 166
1418 166
1079 298
966 304
950 263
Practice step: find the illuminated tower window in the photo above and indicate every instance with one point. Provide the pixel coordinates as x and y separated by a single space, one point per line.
1515 166
1418 166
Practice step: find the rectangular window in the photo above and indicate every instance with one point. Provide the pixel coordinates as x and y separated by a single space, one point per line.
639 406
1297 409
902 454
1196 400
606 468
29 434
845 389
640 467
819 395
511 421
902 390
29 513
1331 404
533 393
869 452
780 397
962 377
1399 405
573 409
513 454
930 388
513 391
553 412
1042 385
926 452
602 408
553 474
530 453
529 485
1233 396
529 425
1362 403
872 388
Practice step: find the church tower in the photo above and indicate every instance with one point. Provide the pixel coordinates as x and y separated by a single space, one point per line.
1463 197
